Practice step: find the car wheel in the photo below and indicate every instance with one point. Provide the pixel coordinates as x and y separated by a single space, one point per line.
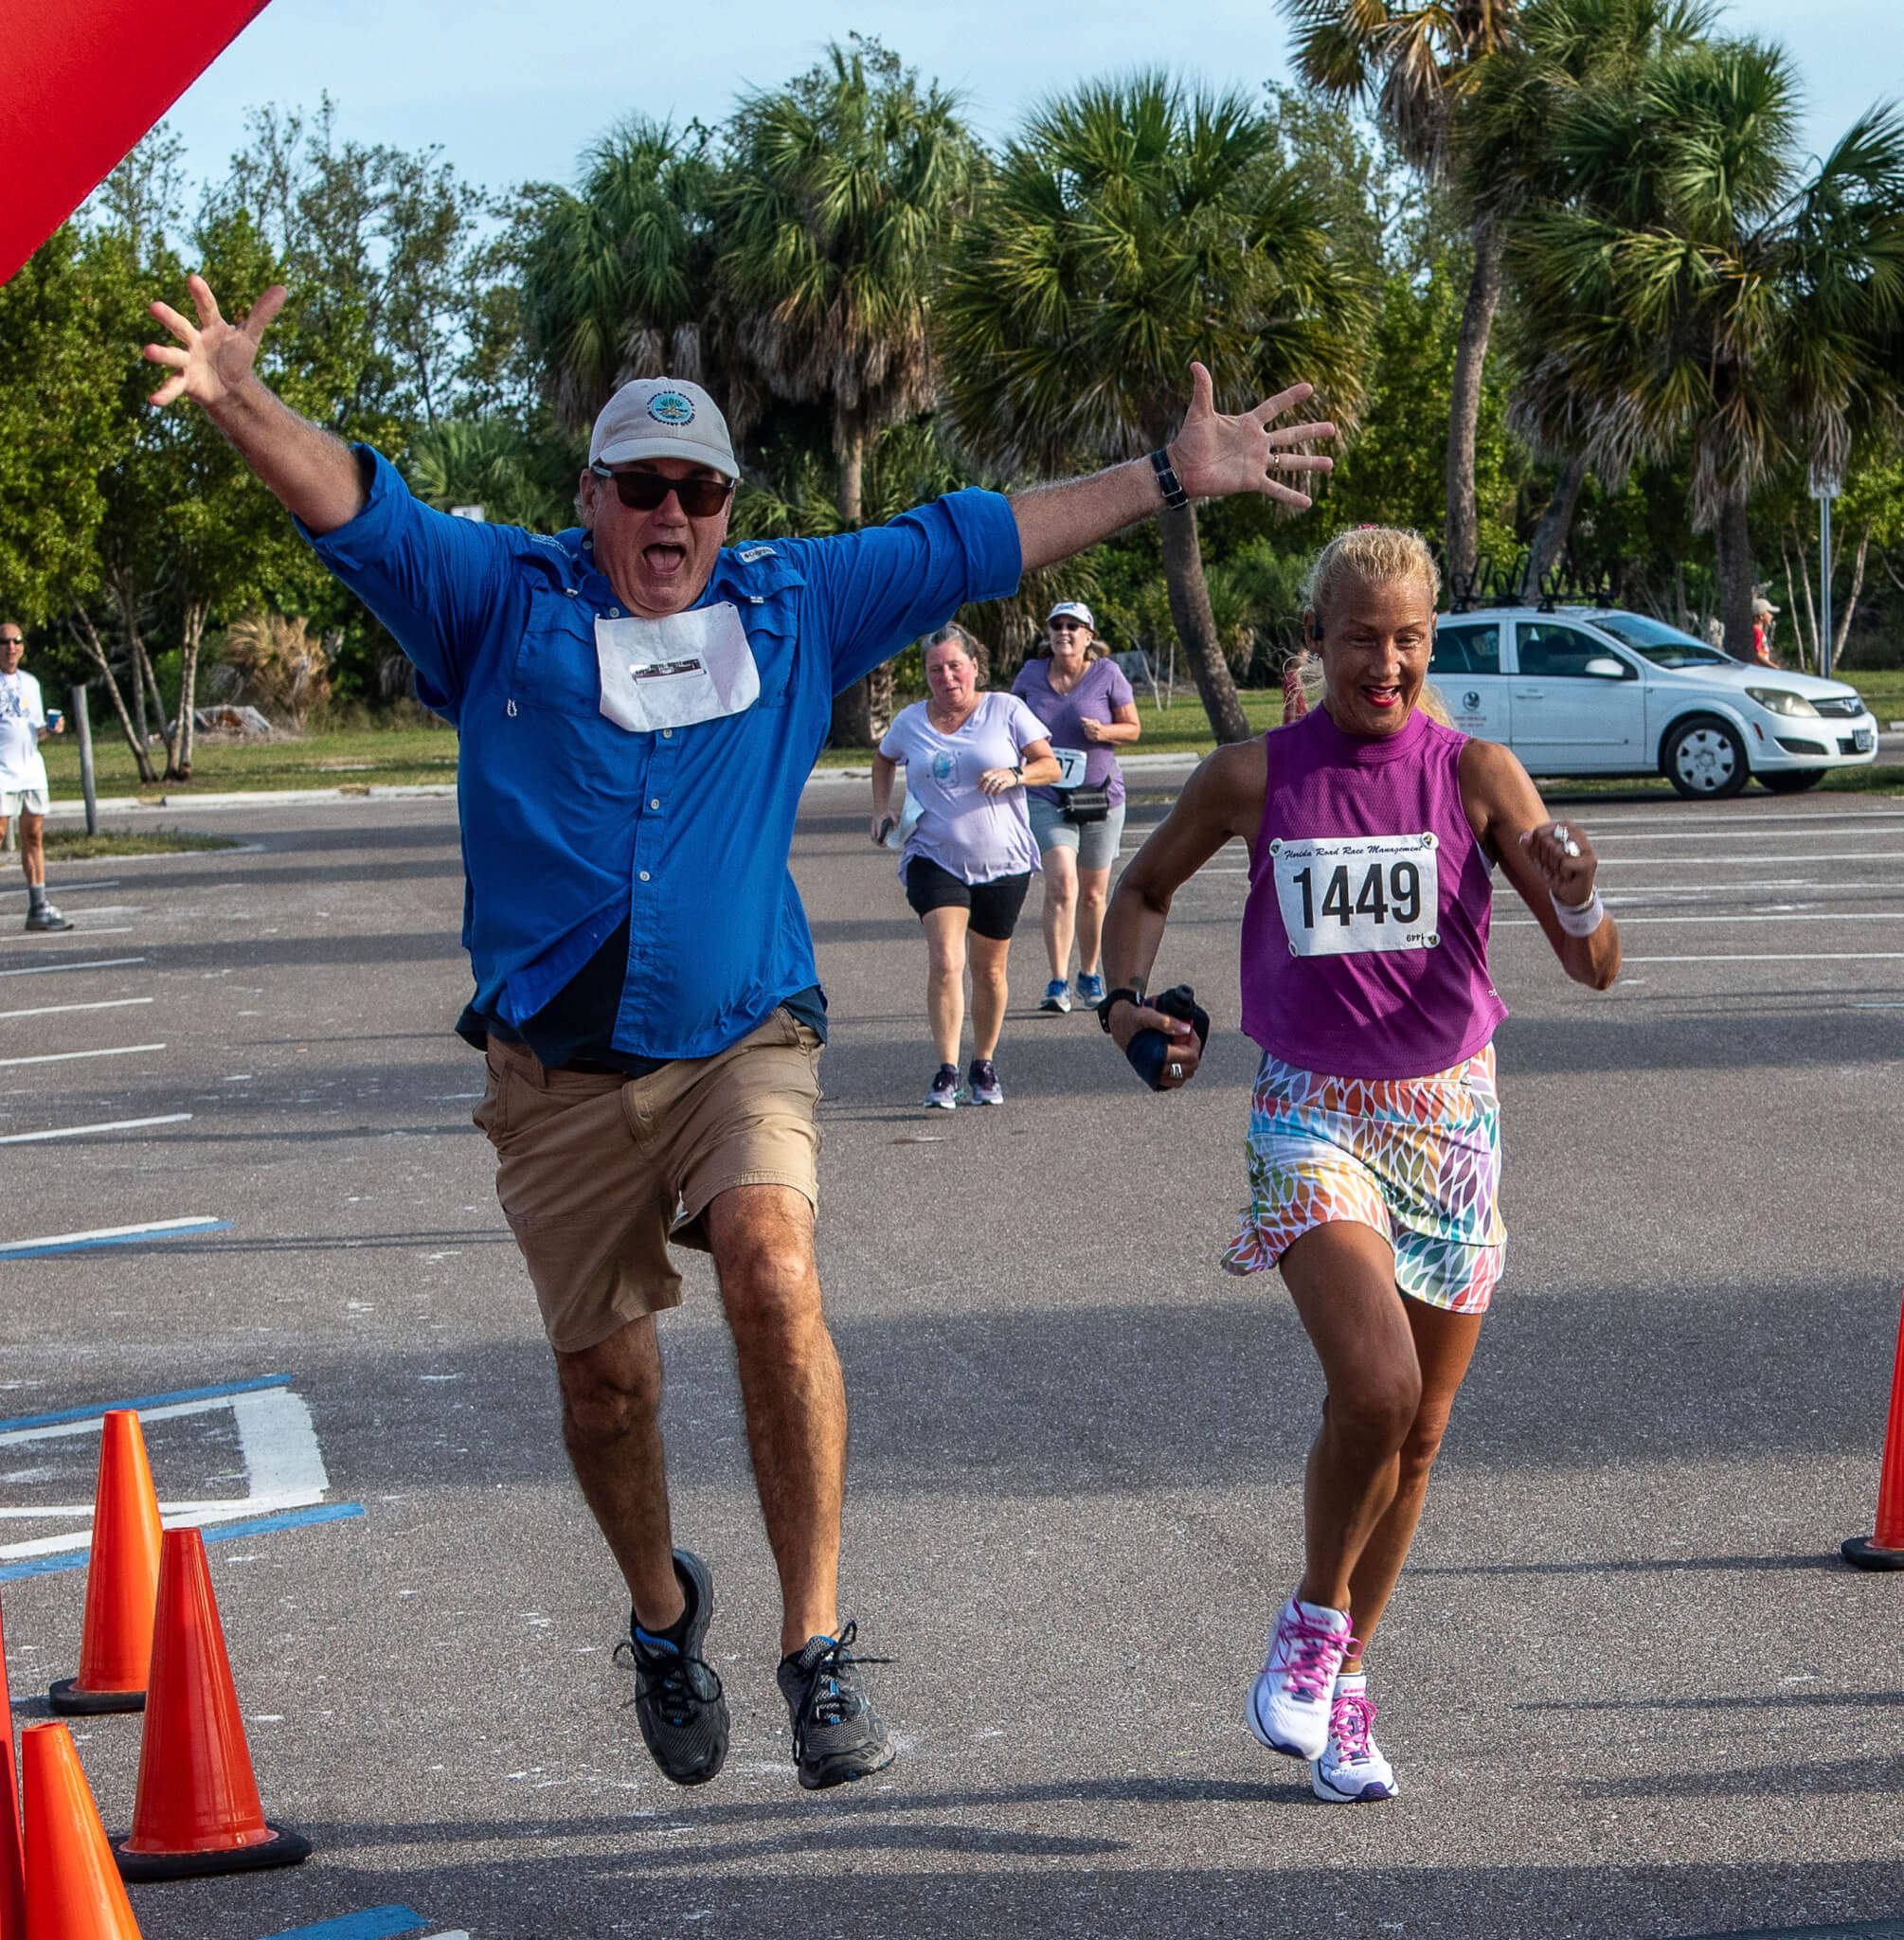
1793 781
1705 760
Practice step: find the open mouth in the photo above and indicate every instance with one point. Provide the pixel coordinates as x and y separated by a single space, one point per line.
663 560
1382 697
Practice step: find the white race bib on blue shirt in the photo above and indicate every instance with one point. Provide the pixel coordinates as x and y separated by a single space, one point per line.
672 672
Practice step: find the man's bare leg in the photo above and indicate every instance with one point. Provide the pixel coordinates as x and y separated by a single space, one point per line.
32 848
611 1400
762 1238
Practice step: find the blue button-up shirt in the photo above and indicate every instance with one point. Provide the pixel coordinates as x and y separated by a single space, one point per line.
571 823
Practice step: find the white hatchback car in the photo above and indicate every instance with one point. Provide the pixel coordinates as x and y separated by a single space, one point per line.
1598 691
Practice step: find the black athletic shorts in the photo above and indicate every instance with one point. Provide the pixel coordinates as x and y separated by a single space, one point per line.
994 905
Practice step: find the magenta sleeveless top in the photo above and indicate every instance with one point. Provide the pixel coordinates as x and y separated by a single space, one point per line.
1365 935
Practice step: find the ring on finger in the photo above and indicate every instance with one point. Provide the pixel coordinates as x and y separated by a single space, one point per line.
1176 1071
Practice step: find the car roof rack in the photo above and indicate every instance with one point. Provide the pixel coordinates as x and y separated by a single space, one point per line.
1492 585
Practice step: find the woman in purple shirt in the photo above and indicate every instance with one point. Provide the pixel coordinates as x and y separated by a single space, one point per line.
1086 703
1373 1144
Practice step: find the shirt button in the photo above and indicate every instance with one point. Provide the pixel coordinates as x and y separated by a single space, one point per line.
615 613
667 733
644 875
654 801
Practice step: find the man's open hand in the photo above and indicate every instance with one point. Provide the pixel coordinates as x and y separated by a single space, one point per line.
212 358
1213 456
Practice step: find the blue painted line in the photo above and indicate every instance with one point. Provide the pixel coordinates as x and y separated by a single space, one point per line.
47 1421
218 1532
122 1239
376 1923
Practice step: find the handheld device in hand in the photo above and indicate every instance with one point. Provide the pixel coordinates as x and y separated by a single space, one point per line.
888 824
1149 1050
55 720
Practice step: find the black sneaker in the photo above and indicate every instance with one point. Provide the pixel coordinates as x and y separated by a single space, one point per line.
836 1733
677 1696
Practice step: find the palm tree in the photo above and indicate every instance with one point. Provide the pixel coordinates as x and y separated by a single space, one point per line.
1565 50
842 194
1135 226
1417 64
617 277
1685 282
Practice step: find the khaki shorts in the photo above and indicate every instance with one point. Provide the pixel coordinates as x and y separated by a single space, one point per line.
592 1168
22 801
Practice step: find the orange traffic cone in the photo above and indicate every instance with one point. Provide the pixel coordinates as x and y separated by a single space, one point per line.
1884 1549
197 1809
12 1861
116 1644
72 1891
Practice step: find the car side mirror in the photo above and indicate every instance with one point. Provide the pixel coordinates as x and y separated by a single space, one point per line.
1604 667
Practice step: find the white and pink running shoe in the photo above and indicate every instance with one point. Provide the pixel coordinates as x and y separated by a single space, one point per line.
1289 1702
1351 1771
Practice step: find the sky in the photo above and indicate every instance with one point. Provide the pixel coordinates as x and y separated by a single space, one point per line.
514 91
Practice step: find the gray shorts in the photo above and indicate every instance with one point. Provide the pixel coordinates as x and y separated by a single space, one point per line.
22 801
1096 843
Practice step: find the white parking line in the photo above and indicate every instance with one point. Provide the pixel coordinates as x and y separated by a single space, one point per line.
111 1003
60 1057
1786 957
48 969
1769 916
69 888
115 1124
155 1227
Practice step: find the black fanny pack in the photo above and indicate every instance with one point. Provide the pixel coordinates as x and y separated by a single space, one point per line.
1085 805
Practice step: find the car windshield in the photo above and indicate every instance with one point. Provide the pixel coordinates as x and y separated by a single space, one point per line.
1665 646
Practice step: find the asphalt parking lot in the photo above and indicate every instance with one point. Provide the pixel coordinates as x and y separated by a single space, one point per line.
1628 1686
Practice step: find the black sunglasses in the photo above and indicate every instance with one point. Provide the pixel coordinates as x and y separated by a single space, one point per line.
700 498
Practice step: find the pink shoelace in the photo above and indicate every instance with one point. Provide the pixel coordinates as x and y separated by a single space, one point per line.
1313 1653
1350 1718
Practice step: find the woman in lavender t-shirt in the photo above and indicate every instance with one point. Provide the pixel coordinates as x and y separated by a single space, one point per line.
1086 703
969 856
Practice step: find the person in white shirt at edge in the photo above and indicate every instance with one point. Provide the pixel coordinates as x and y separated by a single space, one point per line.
23 772
968 857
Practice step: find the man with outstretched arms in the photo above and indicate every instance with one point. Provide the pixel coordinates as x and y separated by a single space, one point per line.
639 708
1373 1144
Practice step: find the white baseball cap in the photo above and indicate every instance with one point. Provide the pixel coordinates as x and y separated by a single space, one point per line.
1073 609
663 418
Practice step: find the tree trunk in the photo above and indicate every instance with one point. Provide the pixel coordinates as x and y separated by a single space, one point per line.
1550 536
1196 625
862 712
1736 576
82 625
1851 598
142 667
178 768
1805 628
1462 535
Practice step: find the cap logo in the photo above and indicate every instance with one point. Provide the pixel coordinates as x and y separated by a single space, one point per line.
670 407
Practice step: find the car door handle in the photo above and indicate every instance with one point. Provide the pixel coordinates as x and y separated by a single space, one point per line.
1530 693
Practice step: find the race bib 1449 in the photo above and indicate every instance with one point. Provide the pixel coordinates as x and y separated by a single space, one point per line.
1342 894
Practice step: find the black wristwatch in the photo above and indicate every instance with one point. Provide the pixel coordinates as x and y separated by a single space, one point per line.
1167 482
1122 993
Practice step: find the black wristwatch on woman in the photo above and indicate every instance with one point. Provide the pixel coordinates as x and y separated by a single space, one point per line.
1124 993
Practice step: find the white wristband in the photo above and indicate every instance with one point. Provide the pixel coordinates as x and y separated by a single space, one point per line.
1581 920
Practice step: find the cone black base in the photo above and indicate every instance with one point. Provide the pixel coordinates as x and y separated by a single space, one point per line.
70 1701
1862 1554
283 1848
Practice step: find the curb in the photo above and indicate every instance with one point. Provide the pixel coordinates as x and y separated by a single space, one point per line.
65 808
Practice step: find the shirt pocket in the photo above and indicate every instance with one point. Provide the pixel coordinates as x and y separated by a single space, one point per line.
555 671
768 598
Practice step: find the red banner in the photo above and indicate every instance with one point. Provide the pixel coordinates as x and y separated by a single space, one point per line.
81 81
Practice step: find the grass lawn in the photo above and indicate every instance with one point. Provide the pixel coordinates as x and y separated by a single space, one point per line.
75 845
392 756
386 755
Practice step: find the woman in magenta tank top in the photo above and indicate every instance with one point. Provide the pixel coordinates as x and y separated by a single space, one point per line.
1373 1144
